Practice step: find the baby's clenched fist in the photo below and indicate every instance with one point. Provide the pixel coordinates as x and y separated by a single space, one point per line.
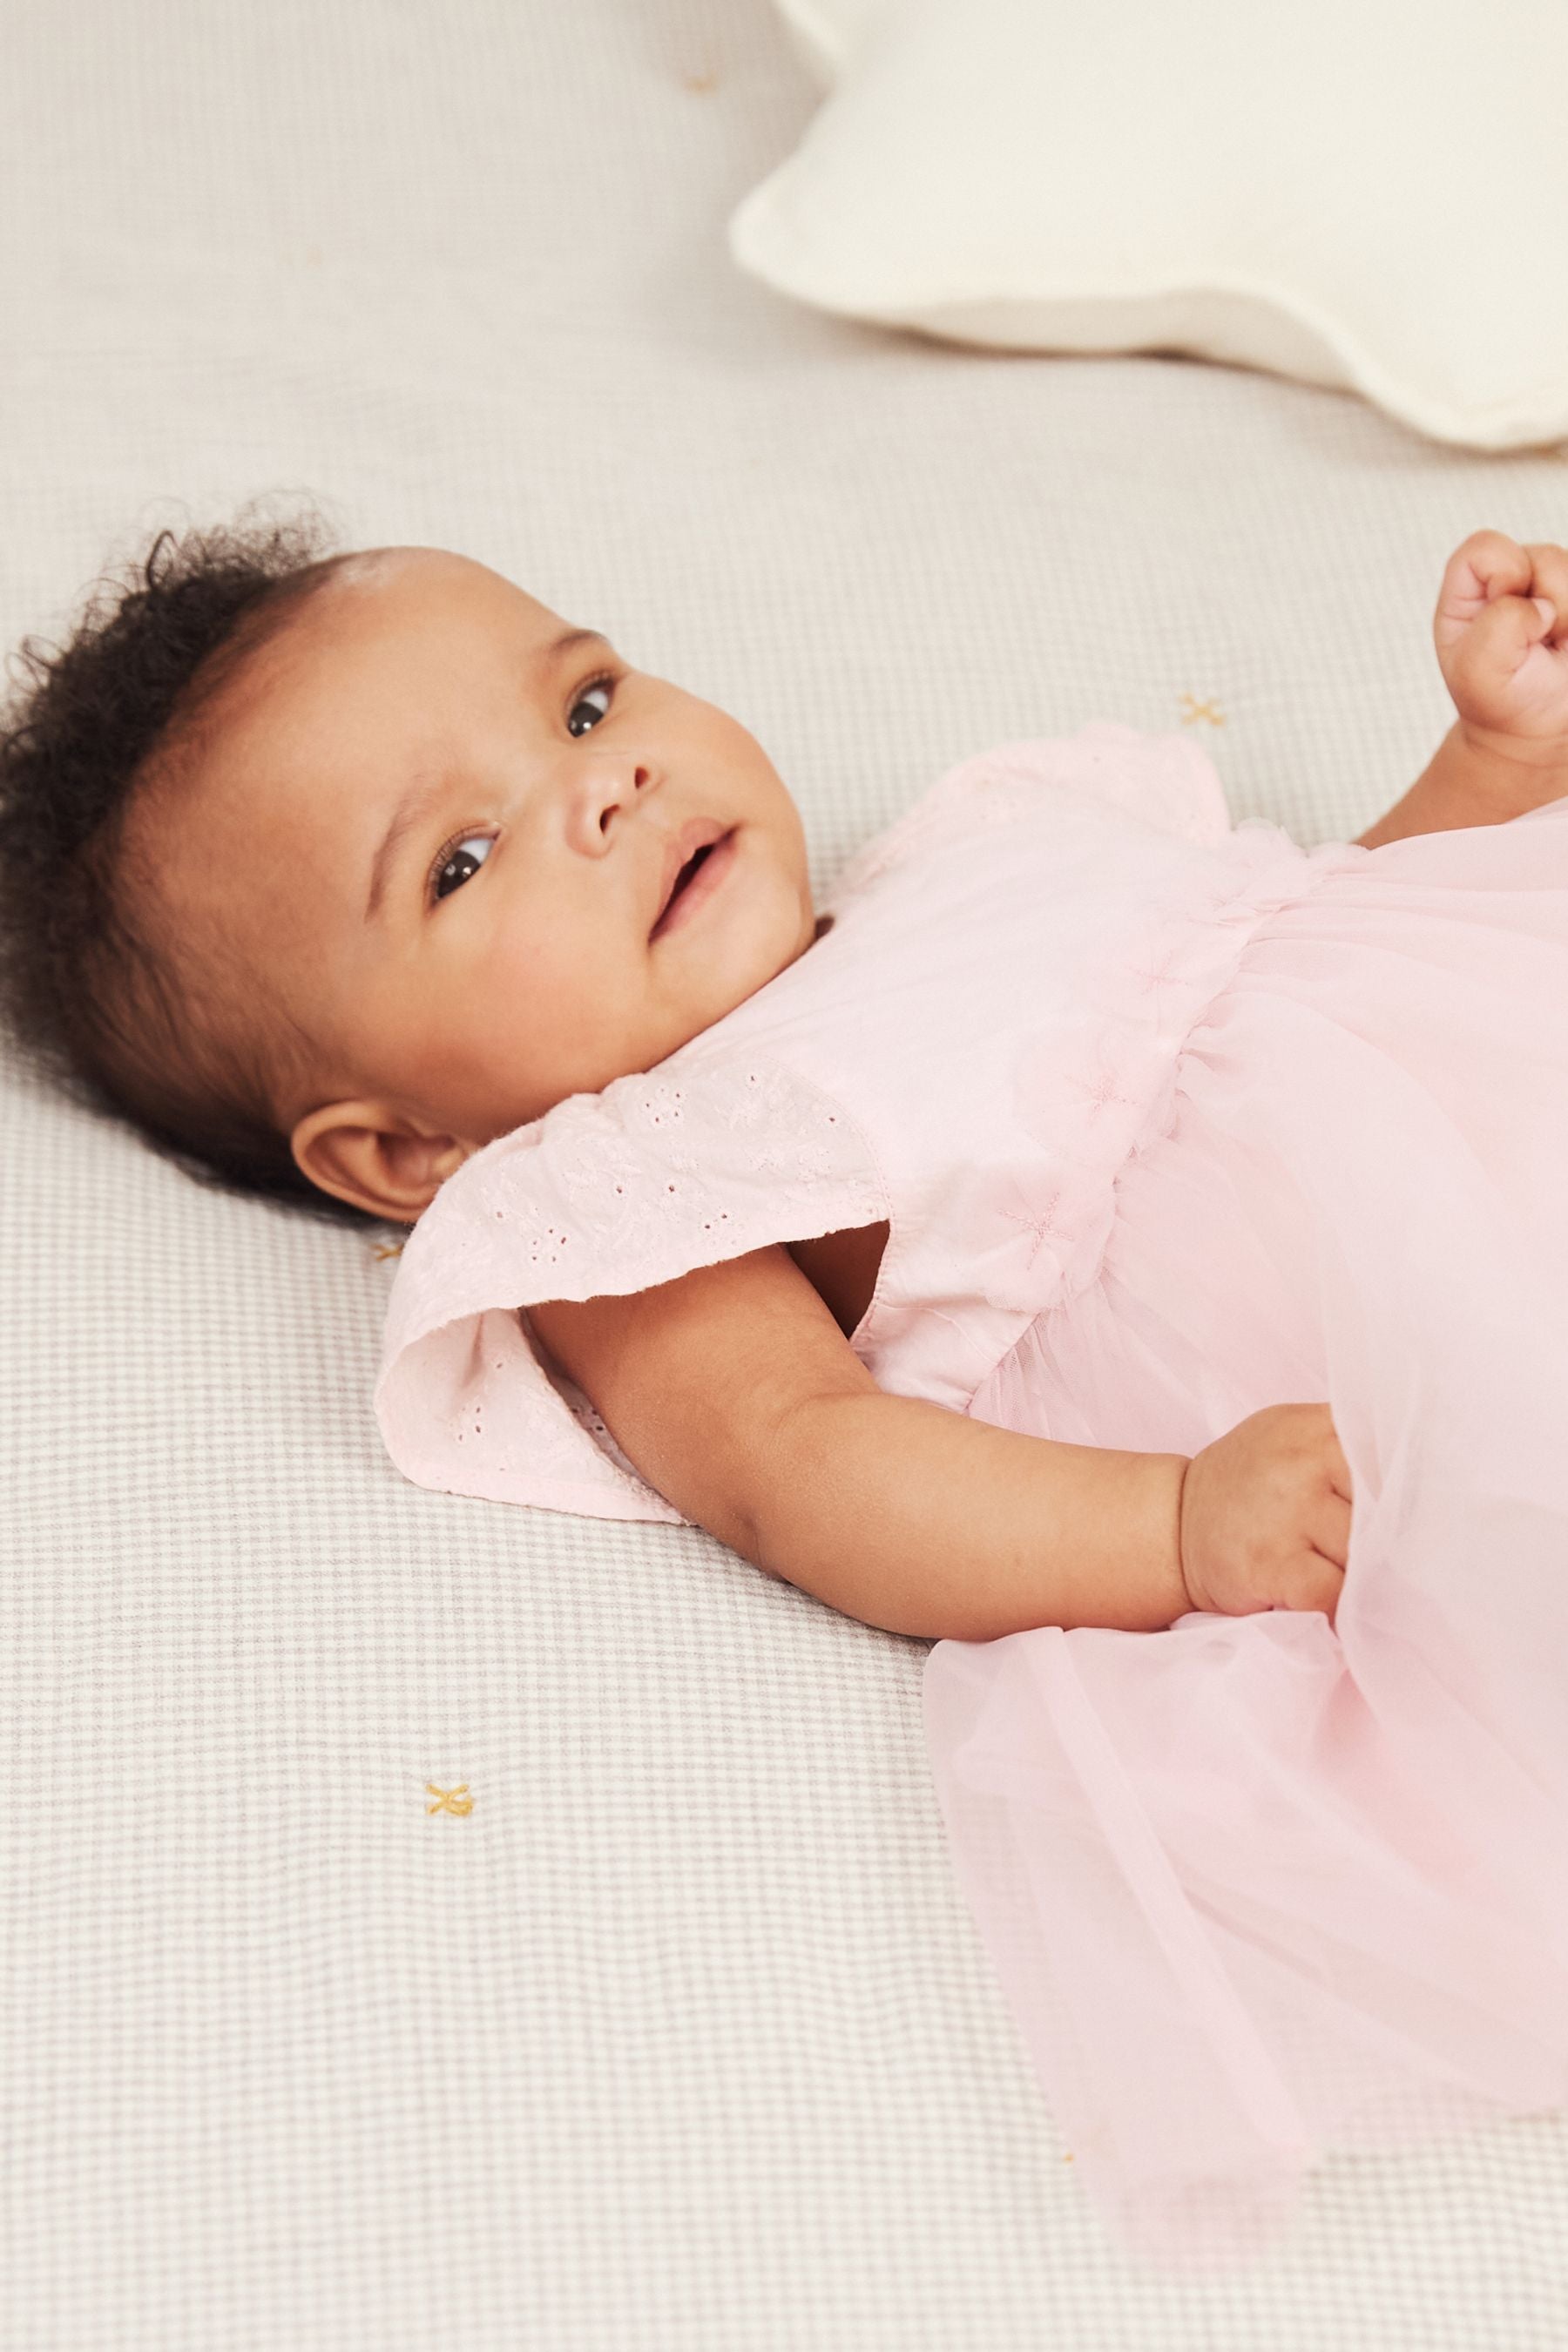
1502 632
1265 1515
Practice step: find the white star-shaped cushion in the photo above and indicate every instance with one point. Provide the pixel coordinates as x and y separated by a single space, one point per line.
1366 194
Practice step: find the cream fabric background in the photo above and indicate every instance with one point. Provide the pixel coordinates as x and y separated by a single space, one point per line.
681 2039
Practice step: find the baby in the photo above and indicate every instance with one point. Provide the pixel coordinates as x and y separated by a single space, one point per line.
1039 1247
278 834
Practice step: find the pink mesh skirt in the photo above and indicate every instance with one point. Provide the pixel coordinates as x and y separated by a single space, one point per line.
1258 1888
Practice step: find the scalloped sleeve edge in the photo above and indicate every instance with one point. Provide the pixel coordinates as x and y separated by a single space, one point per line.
609 1194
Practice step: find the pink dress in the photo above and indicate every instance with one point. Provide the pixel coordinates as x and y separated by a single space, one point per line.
1170 1121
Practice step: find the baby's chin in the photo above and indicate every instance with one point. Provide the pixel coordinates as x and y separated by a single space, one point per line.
524 1113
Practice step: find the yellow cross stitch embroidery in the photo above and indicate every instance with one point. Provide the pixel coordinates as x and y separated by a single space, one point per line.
1195 710
388 1249
452 1801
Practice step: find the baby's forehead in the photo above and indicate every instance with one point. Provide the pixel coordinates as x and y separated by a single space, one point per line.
423 567
412 588
356 649
350 662
376 565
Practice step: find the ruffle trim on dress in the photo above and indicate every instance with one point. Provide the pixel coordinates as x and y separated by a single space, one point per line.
1035 1236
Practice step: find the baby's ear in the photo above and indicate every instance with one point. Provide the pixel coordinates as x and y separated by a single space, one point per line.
370 1155
416 1166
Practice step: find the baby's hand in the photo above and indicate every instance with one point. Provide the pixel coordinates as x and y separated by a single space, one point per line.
1265 1517
1501 632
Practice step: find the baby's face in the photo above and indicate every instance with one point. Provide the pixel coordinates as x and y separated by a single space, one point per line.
452 838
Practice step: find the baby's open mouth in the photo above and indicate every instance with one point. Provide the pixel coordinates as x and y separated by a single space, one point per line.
689 870
686 876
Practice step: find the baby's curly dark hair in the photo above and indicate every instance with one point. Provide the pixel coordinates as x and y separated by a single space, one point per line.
96 996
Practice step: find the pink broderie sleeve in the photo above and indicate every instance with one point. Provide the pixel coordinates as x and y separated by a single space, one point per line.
610 1194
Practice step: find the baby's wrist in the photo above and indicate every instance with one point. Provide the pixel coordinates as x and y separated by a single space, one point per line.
1477 775
1502 755
1485 775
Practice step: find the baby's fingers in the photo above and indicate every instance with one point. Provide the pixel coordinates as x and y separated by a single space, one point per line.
1316 1583
1330 1529
1549 564
1489 564
1495 643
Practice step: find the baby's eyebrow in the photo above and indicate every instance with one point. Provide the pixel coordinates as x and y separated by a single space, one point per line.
428 792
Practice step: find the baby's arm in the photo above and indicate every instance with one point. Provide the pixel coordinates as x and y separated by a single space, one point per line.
1501 635
737 1396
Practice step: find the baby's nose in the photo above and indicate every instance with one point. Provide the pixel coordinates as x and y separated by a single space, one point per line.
612 786
616 792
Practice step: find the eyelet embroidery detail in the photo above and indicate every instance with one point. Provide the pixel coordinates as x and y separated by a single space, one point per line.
610 1194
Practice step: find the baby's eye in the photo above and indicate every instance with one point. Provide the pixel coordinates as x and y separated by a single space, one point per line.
455 864
605 685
